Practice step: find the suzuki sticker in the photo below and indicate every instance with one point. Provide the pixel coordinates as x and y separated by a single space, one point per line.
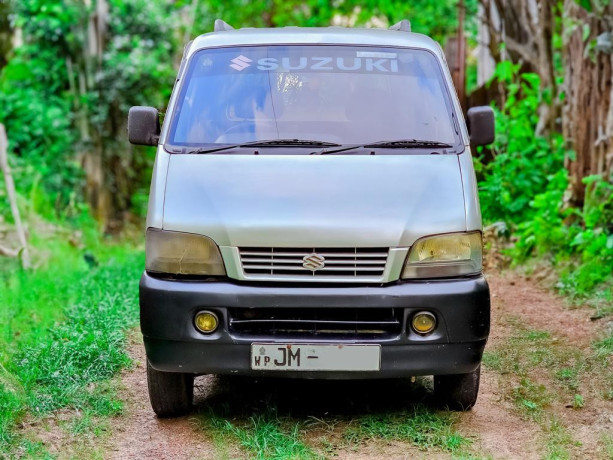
363 64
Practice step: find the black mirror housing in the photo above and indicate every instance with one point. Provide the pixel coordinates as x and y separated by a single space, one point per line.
481 125
143 125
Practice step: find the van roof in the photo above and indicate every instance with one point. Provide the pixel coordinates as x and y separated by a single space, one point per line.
314 36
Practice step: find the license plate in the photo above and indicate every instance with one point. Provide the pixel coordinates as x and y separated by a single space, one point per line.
315 357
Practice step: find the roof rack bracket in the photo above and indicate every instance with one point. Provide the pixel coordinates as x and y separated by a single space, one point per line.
402 26
221 26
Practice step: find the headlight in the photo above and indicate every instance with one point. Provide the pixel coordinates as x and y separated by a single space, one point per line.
445 255
182 254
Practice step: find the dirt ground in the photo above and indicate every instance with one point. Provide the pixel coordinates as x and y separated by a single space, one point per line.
496 427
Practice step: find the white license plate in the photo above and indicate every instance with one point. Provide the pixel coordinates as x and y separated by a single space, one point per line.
315 357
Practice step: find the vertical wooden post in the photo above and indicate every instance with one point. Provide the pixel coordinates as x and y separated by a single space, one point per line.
12 196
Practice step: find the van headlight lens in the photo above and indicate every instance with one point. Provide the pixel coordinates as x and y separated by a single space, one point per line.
445 255
182 254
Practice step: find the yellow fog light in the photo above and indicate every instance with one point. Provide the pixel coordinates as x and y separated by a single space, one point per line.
206 321
423 322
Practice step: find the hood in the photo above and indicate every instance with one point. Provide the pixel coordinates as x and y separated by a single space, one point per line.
314 200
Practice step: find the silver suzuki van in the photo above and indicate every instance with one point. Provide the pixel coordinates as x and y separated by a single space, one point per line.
314 214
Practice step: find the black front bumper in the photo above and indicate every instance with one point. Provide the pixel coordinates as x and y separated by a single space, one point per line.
173 344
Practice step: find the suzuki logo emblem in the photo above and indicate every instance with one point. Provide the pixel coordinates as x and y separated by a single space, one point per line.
240 63
313 262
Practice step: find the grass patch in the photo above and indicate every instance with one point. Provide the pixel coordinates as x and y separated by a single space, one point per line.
419 427
529 351
603 350
531 398
268 435
62 334
558 441
265 436
568 376
279 418
536 361
525 350
604 347
607 443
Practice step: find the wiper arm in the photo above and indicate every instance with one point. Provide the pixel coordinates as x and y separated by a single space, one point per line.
409 144
289 143
202 150
342 149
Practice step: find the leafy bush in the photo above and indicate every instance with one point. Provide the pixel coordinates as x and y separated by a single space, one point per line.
65 107
522 164
525 186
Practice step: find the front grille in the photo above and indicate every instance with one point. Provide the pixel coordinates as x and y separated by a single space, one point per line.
313 323
359 263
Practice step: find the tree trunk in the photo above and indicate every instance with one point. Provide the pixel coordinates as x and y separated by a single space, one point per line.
526 27
94 155
6 33
588 111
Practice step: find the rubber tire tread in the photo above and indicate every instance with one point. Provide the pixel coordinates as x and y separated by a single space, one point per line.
171 393
457 392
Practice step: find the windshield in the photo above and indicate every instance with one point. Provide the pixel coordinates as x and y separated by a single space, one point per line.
337 94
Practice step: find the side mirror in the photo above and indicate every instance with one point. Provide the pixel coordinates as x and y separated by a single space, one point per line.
143 126
481 125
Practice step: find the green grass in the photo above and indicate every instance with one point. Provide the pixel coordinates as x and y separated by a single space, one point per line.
299 419
531 350
62 329
419 426
558 441
531 398
603 350
269 435
607 442
542 371
265 436
604 347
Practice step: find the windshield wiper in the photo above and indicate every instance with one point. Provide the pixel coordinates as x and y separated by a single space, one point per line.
265 143
409 144
289 143
399 144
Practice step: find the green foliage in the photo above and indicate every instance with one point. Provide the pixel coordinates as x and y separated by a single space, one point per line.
525 186
36 115
580 241
437 19
63 102
523 164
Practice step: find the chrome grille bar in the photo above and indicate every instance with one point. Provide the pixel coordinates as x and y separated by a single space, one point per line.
337 262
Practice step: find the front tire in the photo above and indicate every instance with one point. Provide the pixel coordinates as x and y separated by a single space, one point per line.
171 393
457 392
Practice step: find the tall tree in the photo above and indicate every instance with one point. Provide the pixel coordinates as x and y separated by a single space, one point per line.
569 41
65 95
588 111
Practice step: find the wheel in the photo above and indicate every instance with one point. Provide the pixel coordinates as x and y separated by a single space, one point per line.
459 391
171 393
